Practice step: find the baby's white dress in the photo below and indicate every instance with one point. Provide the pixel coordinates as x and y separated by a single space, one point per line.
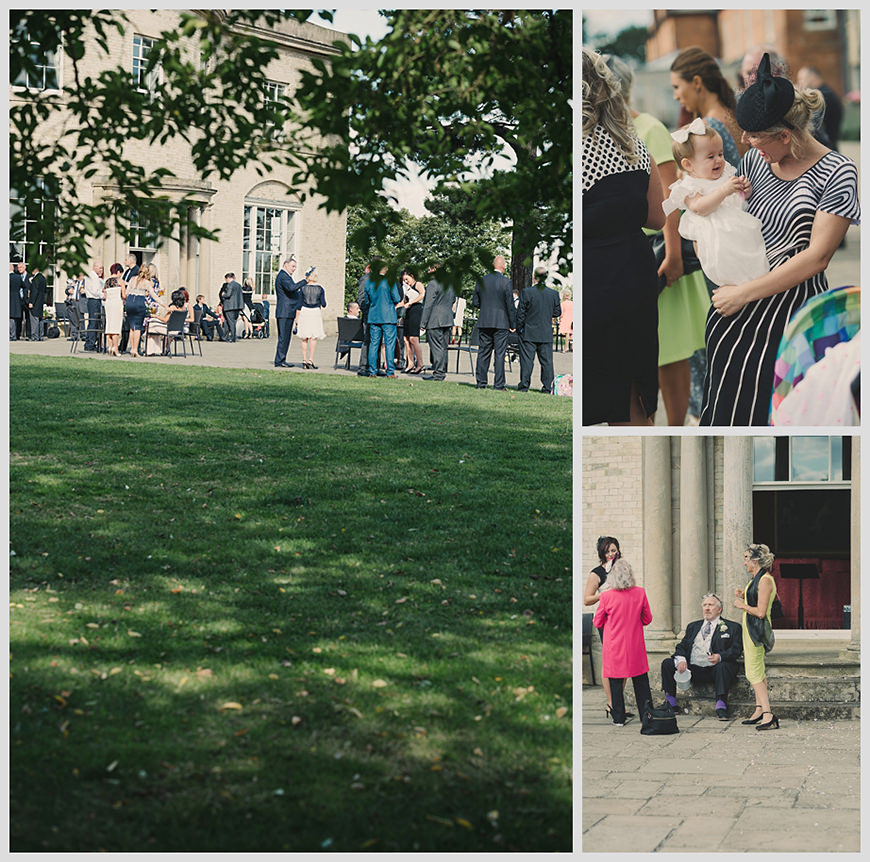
730 244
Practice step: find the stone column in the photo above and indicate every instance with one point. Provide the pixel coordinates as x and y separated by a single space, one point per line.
855 549
657 555
694 528
736 514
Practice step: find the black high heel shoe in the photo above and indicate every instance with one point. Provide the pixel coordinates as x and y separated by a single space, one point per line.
774 722
754 720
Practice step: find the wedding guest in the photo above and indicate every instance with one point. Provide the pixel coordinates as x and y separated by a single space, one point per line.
756 601
309 323
622 613
806 196
622 194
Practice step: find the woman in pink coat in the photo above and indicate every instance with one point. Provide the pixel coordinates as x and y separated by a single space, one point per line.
622 612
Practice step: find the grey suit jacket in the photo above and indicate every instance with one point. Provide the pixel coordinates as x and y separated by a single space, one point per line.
437 306
535 312
234 301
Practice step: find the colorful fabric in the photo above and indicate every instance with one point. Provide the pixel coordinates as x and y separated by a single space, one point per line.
823 321
564 385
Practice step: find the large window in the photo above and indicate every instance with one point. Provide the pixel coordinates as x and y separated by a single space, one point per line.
142 80
25 216
269 237
144 236
801 508
45 74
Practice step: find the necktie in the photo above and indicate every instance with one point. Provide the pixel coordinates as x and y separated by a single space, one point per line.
706 632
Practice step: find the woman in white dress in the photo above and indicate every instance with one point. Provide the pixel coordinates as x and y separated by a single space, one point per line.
114 294
309 320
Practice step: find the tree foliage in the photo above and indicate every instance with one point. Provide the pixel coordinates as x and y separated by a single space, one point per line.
630 42
451 231
481 101
213 102
446 89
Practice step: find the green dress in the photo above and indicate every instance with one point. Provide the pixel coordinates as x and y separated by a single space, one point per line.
753 656
683 304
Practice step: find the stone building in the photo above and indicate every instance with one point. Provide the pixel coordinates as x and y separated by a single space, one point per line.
828 39
684 509
260 219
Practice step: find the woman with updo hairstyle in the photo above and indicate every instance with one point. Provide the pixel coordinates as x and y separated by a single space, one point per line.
622 194
755 601
806 196
622 613
114 293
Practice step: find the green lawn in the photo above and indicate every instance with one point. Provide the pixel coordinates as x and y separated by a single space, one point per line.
258 611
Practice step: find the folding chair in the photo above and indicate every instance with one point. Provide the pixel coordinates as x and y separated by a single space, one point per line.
350 335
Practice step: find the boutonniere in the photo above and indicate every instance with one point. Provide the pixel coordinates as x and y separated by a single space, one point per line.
723 627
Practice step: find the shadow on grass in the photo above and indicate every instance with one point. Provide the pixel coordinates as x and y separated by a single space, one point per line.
377 579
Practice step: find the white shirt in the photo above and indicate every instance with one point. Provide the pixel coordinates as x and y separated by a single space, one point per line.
701 647
93 286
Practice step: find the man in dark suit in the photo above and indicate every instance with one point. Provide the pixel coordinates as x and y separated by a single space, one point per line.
24 275
363 369
208 320
536 309
287 302
35 299
494 298
16 286
232 302
437 320
710 650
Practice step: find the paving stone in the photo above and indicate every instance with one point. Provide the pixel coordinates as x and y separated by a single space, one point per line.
795 831
637 789
626 833
611 805
699 830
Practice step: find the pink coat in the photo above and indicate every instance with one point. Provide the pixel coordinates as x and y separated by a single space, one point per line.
622 614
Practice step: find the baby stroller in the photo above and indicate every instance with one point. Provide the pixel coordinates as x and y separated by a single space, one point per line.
259 321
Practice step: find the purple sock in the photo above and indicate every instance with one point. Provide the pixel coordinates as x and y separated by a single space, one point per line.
720 704
671 699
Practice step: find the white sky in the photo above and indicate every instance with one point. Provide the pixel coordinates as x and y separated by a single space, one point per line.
611 21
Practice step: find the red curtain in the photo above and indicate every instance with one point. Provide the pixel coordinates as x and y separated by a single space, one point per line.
823 597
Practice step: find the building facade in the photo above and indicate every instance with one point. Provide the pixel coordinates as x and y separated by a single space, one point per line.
684 509
260 219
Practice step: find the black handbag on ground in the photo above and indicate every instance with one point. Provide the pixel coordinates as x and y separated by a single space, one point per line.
658 720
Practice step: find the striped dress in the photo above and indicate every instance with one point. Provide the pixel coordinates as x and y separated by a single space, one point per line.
741 349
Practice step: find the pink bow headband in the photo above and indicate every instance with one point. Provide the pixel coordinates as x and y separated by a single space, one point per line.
696 127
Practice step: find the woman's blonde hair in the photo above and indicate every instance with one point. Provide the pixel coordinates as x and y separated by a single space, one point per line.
146 271
621 576
686 149
806 111
762 554
603 104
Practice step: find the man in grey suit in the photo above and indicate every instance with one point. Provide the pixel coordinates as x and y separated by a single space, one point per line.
233 302
494 298
437 320
537 307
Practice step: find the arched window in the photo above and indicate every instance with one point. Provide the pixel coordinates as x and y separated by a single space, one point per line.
269 234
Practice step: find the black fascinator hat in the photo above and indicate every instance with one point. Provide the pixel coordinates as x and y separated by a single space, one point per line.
766 102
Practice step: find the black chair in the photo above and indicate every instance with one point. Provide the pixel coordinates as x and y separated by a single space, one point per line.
350 335
175 332
588 630
61 318
77 327
194 333
470 346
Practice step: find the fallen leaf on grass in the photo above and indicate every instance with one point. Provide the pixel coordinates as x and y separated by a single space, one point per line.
296 721
379 683
442 820
131 633
93 625
478 751
231 705
464 823
561 712
115 670
329 671
111 766
402 600
176 590
273 676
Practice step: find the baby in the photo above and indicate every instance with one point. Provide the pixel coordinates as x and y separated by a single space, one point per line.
728 240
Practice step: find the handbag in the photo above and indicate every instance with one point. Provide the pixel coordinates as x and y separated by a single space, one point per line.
687 248
760 630
658 720
776 611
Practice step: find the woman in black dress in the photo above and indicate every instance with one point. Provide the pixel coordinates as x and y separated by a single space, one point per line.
622 194
806 196
414 295
608 553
